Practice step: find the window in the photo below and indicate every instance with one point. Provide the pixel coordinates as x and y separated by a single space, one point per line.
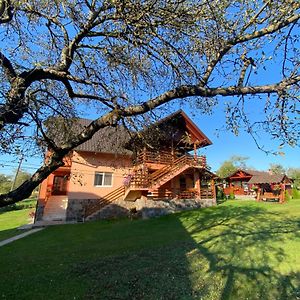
103 179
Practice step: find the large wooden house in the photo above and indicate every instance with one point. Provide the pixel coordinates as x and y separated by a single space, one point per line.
117 171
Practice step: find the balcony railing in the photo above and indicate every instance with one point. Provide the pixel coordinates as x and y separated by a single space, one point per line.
166 158
157 157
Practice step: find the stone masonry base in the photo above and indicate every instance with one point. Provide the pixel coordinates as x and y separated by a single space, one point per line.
143 207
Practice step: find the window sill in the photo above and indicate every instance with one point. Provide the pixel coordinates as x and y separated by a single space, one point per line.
100 186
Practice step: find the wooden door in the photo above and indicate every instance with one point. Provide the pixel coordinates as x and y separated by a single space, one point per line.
60 185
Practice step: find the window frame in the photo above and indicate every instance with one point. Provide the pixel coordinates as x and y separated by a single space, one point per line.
103 179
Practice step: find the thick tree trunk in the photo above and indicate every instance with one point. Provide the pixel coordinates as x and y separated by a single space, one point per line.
25 189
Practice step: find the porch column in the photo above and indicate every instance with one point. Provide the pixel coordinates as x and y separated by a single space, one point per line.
195 151
49 188
213 189
282 196
258 195
172 153
197 181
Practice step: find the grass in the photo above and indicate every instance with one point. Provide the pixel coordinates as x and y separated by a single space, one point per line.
11 220
238 250
14 216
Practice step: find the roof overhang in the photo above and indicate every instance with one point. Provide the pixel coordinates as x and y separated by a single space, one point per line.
197 136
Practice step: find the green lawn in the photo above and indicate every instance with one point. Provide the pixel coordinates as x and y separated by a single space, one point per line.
11 220
238 250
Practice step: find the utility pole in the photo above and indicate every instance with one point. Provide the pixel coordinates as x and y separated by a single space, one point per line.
17 172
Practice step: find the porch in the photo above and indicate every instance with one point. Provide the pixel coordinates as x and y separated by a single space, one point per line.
273 196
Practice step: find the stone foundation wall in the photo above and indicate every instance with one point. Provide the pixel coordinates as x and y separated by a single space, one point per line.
147 208
115 210
76 207
153 208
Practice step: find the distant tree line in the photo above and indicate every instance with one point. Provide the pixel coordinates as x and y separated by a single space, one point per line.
6 181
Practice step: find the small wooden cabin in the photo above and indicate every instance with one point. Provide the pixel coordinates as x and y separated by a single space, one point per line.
250 182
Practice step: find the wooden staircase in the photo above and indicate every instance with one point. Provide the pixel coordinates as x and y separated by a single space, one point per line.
160 177
91 209
163 175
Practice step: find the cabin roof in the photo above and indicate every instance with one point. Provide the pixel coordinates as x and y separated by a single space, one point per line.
177 129
192 128
267 178
247 173
258 177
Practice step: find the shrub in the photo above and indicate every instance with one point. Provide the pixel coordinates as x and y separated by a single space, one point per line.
231 196
220 194
287 196
295 193
28 203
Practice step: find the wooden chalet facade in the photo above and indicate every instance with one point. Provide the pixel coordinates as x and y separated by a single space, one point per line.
117 168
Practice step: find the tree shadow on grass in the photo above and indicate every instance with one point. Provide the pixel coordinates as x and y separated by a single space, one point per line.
219 253
8 233
245 247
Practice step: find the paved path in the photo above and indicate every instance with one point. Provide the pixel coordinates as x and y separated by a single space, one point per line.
17 237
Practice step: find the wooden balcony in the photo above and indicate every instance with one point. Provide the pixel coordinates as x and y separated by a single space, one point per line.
155 157
166 158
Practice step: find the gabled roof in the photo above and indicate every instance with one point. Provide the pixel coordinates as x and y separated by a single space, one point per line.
247 172
176 130
192 128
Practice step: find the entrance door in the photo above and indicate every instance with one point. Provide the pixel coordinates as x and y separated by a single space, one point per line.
60 185
182 183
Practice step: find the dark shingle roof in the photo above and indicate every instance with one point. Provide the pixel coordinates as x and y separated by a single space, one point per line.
175 129
106 140
265 177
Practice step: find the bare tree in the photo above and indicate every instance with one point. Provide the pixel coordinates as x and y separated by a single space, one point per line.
60 57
